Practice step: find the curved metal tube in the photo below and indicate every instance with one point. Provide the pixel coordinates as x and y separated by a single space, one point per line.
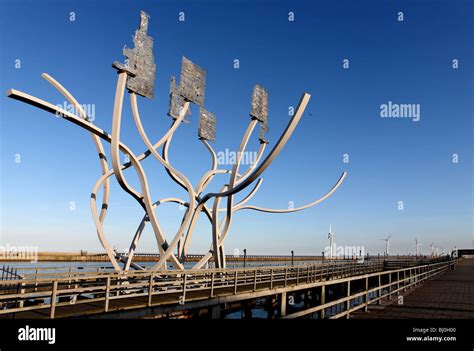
177 174
215 231
260 152
236 207
99 227
141 227
235 169
97 142
114 144
334 188
270 157
241 177
232 182
133 245
139 158
213 167
212 152
247 198
269 210
18 95
273 153
239 207
183 248
144 198
236 184
103 164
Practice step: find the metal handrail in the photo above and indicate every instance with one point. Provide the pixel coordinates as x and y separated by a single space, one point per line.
111 286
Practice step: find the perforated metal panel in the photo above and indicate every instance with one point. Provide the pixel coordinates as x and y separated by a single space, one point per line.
262 136
259 109
140 61
176 102
192 85
207 125
259 105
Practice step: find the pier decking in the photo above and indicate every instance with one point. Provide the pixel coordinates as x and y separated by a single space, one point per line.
329 290
448 295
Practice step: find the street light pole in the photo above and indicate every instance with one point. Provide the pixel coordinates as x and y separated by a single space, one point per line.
245 256
292 257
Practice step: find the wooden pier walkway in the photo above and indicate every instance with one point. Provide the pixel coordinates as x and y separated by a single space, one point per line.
448 295
345 287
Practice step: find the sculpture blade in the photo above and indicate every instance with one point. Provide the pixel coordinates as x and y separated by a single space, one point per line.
192 85
207 125
259 109
140 61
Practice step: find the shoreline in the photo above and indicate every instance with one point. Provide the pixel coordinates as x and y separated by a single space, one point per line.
85 257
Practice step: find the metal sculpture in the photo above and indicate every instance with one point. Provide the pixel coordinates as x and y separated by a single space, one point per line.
137 76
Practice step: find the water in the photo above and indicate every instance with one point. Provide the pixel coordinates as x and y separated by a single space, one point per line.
59 267
259 311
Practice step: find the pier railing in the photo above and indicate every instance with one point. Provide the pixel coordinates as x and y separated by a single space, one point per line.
110 291
170 286
379 285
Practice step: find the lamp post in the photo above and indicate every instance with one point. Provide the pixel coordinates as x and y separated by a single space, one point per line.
292 257
245 256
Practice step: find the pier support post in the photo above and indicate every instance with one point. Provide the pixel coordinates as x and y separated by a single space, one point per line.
150 290
53 300
283 300
247 310
404 281
323 300
398 283
271 304
107 293
316 298
390 286
36 280
348 304
216 312
22 291
366 308
307 299
379 301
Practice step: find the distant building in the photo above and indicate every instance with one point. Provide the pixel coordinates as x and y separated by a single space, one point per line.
466 253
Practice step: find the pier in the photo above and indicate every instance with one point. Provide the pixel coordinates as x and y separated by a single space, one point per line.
322 290
449 295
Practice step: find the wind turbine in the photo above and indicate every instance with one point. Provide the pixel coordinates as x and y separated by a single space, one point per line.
417 247
331 238
387 244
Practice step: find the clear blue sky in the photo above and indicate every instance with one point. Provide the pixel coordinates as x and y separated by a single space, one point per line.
391 160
